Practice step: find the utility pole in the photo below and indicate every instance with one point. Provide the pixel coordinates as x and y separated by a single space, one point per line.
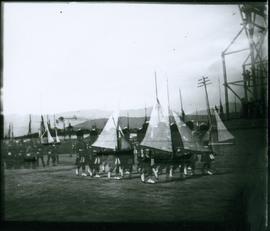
203 82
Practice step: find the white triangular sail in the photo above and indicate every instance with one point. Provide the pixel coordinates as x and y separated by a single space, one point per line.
50 138
185 133
108 136
57 140
158 133
222 131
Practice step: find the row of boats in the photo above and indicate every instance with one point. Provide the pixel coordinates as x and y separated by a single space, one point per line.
166 132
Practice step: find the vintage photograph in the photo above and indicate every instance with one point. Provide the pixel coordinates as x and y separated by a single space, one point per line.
118 112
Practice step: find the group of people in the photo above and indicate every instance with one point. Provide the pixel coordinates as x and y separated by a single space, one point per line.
18 153
93 162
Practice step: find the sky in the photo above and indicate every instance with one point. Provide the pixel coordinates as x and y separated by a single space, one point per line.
71 56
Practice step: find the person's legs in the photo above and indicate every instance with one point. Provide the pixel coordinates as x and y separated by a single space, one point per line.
48 159
42 161
83 169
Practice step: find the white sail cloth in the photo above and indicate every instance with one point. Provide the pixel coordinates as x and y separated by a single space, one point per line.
222 132
185 133
158 134
108 136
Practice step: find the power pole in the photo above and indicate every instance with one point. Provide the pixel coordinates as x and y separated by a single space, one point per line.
203 82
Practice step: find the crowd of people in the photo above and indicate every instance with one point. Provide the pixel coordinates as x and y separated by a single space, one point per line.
93 162
32 153
96 162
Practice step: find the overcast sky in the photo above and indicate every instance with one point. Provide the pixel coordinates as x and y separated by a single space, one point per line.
72 56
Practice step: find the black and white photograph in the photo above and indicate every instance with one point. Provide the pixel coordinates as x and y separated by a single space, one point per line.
135 113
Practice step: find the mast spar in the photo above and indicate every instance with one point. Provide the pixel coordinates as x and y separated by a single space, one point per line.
156 87
182 108
169 117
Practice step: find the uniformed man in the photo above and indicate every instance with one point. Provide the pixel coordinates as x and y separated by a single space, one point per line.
18 158
39 154
97 163
81 151
49 154
21 151
55 154
118 168
147 171
30 155
207 159
10 150
89 159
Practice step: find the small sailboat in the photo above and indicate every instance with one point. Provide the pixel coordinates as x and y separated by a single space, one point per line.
44 133
112 137
56 139
218 133
161 135
167 133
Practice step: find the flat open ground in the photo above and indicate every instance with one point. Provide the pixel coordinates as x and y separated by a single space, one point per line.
235 193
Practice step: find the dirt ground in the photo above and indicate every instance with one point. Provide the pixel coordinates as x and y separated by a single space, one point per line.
236 193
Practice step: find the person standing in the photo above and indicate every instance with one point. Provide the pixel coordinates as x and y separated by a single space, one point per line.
81 151
207 159
90 160
40 154
146 171
49 154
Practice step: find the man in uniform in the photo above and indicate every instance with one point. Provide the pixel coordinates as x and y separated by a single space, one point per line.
40 154
89 159
80 155
30 155
49 154
97 162
147 170
10 154
118 167
20 153
208 158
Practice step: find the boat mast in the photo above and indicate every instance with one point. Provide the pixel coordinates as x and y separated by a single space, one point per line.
169 113
128 121
117 134
182 108
145 114
157 93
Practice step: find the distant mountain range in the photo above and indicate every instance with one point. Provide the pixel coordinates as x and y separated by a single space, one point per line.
87 118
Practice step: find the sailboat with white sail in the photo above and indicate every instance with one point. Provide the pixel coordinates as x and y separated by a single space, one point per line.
112 137
160 135
165 138
44 133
